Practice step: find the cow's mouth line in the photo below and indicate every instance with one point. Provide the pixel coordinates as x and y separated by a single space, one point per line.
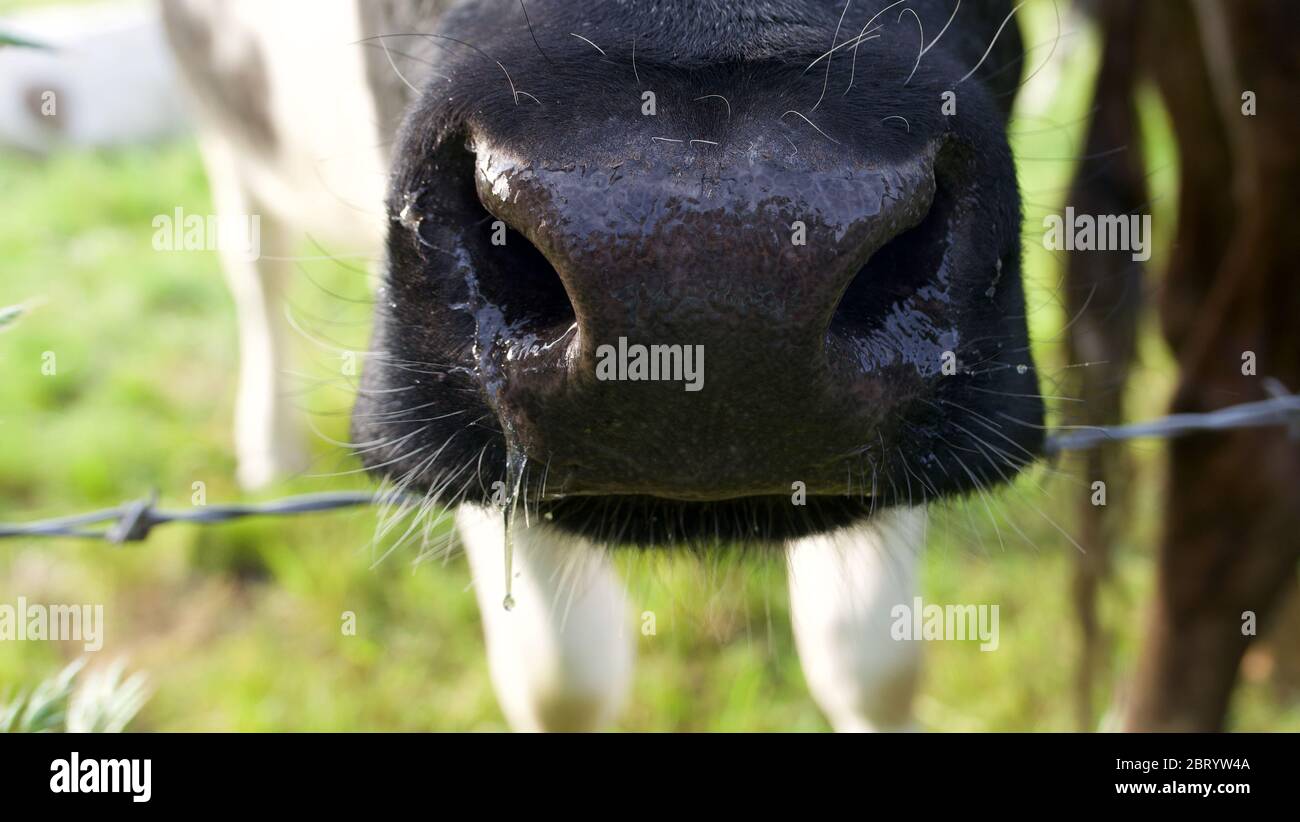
527 497
647 521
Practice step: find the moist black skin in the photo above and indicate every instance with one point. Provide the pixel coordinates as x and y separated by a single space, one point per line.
824 365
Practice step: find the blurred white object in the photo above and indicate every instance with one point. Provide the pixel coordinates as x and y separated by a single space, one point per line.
106 78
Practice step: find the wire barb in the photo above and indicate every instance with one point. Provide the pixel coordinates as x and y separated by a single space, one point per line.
133 521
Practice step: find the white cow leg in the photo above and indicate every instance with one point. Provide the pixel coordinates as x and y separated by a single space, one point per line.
561 659
269 435
842 588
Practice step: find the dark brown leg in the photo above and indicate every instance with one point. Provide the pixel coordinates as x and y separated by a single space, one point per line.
1232 524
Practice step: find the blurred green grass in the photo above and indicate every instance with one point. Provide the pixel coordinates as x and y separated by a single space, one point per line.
238 626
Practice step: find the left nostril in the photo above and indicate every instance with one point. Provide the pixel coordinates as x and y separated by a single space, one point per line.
467 246
517 278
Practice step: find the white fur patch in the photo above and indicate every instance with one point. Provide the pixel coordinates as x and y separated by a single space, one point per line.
562 658
842 588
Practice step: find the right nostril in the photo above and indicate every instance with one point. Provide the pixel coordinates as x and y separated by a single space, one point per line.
898 270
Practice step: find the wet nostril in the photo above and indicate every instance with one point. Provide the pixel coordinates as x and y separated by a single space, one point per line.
512 273
897 271
518 278
476 253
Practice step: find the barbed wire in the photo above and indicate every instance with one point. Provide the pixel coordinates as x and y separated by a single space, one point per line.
134 521
1280 409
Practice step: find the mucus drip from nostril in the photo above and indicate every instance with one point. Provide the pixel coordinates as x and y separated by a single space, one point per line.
408 217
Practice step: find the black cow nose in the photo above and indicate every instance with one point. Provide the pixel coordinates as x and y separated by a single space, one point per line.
655 271
667 333
750 262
